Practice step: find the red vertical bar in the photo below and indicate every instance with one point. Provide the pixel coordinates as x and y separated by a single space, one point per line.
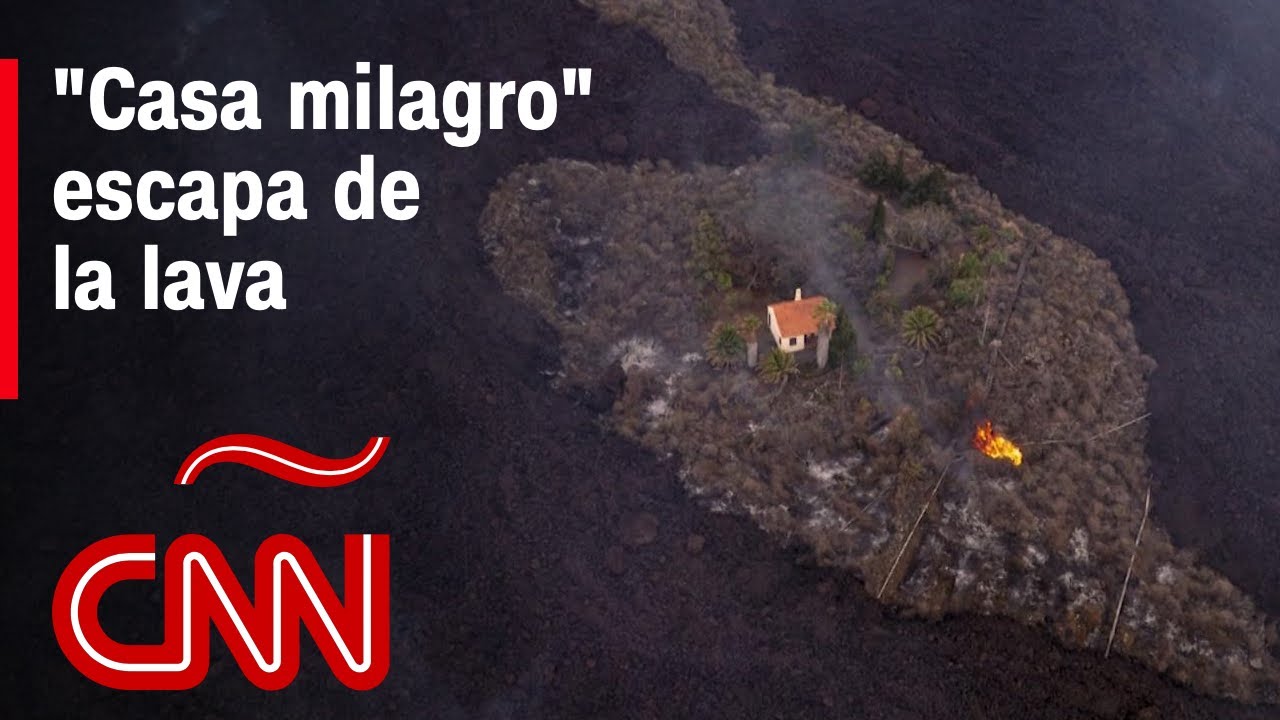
8 229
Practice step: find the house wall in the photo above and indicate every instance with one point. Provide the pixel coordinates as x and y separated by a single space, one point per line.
783 342
773 327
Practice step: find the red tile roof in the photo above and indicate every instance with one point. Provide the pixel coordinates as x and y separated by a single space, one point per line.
795 317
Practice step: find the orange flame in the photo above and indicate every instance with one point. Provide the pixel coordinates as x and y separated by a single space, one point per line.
995 445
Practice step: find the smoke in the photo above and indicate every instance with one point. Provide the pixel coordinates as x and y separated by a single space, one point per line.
797 213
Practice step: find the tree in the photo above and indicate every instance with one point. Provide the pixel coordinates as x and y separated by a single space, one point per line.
825 313
778 367
878 173
875 228
925 229
724 345
749 326
928 188
920 327
710 259
844 342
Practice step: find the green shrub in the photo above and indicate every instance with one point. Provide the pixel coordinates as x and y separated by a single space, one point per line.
928 188
709 261
860 366
878 173
725 345
886 271
891 178
968 267
855 235
964 292
875 228
982 236
925 229
778 367
883 307
844 342
921 327
968 279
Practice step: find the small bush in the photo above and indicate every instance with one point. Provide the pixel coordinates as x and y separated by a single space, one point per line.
856 236
883 306
878 173
891 178
928 188
724 346
778 367
925 229
875 228
969 266
920 327
965 292
886 271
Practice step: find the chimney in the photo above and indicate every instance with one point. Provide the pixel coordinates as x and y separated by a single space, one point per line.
797 294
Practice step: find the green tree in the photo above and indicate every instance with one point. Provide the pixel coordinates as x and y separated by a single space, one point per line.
724 346
875 228
709 261
778 367
920 327
928 188
844 342
878 173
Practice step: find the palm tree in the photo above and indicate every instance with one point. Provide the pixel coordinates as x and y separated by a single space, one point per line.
749 326
778 366
825 313
920 327
724 345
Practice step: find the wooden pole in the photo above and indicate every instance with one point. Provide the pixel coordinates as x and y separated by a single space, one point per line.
1128 573
1093 437
912 533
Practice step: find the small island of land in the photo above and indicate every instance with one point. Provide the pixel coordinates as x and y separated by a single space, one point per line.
821 335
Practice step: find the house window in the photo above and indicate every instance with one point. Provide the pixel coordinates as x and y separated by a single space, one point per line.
791 342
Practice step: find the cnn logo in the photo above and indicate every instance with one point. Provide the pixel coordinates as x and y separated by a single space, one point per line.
201 592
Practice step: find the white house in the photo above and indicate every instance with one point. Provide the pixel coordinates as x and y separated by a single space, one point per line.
793 321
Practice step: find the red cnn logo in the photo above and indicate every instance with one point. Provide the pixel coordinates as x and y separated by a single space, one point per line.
263 637
200 591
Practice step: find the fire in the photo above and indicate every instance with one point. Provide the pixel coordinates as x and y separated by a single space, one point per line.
995 445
